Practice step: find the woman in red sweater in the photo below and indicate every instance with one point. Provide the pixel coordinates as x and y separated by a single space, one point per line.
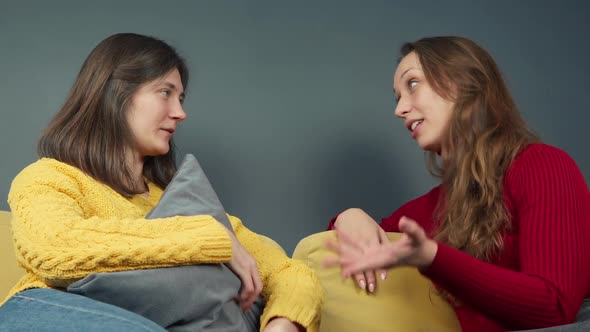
505 237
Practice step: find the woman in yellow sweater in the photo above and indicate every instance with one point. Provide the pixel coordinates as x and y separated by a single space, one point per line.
105 159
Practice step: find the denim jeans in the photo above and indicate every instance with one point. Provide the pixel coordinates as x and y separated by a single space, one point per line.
52 310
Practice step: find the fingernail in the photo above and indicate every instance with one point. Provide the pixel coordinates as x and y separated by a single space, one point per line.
362 284
383 275
371 287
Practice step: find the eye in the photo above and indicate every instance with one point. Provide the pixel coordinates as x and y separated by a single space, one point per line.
165 92
412 84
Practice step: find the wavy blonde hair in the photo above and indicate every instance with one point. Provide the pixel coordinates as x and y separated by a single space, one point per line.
484 135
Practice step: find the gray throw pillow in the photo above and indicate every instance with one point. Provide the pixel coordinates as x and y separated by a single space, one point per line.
183 298
190 193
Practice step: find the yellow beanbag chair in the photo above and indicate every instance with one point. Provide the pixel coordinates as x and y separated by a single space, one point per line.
406 301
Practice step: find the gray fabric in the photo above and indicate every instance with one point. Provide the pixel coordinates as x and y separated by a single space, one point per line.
184 298
190 193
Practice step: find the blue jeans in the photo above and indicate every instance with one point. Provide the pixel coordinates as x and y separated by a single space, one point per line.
52 310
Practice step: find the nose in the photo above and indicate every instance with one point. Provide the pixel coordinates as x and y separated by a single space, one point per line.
178 112
403 107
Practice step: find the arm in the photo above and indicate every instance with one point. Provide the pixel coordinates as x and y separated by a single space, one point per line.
420 209
290 288
391 223
388 224
56 240
364 232
553 220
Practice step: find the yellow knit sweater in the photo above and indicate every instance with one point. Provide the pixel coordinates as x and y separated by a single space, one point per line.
66 225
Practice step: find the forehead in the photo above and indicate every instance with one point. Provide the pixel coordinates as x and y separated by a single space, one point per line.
407 63
172 77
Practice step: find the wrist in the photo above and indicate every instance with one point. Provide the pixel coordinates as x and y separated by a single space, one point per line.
428 254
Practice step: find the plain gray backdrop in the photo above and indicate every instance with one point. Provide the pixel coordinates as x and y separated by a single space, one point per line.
290 107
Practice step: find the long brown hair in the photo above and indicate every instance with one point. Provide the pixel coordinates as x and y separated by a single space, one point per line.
91 130
484 135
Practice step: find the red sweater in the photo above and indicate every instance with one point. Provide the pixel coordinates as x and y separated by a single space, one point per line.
543 273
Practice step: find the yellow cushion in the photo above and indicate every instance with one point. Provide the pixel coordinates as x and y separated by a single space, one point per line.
405 301
11 273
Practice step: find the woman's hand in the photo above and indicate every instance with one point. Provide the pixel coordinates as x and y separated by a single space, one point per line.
414 248
281 324
244 266
364 233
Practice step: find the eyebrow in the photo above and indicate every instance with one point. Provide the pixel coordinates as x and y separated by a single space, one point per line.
407 70
402 76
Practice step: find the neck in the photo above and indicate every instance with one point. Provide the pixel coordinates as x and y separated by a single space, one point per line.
135 164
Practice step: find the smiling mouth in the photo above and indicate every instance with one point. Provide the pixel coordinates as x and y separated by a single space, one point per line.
415 124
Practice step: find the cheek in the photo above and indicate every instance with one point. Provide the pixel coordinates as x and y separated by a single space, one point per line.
447 110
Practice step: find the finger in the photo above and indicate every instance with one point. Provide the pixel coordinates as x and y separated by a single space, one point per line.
382 235
382 273
332 245
348 240
330 261
247 301
247 287
412 229
380 259
360 280
257 284
339 247
360 266
371 280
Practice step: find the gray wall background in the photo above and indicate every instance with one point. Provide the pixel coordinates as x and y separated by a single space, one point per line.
290 105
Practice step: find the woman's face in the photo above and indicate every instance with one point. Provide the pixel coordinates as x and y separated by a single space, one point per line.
154 113
425 113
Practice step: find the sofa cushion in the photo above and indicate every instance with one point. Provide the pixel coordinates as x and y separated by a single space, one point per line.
11 272
405 301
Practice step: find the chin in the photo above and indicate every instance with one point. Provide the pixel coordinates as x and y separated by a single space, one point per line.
163 152
430 148
429 145
159 152
424 146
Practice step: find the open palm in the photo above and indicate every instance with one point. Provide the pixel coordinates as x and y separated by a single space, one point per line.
414 248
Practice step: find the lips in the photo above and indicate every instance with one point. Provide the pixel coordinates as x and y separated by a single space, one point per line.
413 124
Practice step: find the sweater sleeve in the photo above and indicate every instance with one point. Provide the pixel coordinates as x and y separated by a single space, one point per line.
55 240
553 220
331 223
291 289
420 209
391 223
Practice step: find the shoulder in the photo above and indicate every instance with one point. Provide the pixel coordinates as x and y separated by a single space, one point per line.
421 209
427 201
49 173
541 151
541 160
541 170
49 166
